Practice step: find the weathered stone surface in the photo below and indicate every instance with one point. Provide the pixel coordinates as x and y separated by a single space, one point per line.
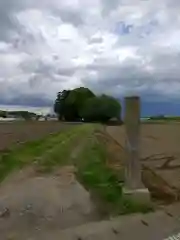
157 226
132 128
140 196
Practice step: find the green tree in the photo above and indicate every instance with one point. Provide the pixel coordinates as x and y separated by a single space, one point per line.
82 103
3 114
60 103
101 108
76 100
68 104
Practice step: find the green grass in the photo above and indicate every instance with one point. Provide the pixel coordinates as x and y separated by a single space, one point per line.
94 172
95 175
61 154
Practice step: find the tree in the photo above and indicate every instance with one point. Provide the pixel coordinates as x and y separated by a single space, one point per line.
76 100
68 103
3 114
101 108
73 105
60 103
22 114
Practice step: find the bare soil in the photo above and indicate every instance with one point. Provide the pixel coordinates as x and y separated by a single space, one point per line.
12 133
32 204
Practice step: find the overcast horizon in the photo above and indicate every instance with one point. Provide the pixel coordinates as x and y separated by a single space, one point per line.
116 47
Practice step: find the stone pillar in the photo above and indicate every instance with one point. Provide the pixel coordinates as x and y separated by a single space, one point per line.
133 181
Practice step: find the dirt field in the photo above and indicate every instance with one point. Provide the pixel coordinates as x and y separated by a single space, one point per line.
19 132
160 151
155 138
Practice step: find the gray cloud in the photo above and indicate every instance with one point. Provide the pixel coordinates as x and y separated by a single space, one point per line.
108 6
69 16
7 22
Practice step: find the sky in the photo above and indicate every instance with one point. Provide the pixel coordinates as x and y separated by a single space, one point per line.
117 47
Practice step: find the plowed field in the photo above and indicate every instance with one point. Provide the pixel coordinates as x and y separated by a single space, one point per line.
12 133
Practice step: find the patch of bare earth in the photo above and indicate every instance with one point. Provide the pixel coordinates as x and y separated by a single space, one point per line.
160 190
33 204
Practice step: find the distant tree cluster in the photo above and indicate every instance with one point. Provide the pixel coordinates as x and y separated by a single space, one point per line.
157 117
18 114
162 117
2 114
81 103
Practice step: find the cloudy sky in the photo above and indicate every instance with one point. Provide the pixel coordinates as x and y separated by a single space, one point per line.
114 46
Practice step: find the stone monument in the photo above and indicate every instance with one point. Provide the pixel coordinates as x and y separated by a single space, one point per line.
133 180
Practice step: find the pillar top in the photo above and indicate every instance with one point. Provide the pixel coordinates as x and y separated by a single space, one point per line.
132 97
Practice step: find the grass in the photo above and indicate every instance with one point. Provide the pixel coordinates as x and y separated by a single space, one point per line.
61 154
90 160
102 181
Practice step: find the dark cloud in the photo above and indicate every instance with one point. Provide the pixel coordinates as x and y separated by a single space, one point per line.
27 100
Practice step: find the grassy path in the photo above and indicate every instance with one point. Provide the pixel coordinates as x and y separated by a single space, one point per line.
78 146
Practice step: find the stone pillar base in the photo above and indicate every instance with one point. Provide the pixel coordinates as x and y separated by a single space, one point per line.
139 196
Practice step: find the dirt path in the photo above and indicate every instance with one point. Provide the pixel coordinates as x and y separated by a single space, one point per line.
32 204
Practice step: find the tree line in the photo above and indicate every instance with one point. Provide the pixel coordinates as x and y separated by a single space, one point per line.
82 104
19 114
